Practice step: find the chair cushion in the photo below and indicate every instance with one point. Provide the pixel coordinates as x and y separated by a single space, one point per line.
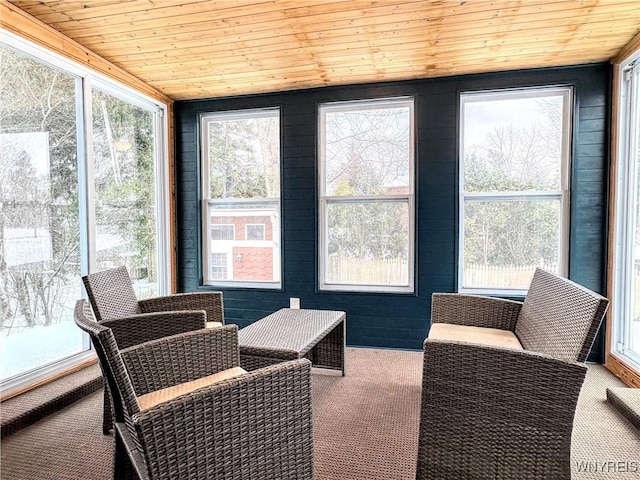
152 399
464 333
213 324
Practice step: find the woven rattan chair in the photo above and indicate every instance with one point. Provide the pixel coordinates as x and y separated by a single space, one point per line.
501 381
184 409
112 297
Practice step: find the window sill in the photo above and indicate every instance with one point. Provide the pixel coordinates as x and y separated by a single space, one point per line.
29 381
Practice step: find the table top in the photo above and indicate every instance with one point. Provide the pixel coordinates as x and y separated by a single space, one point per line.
290 329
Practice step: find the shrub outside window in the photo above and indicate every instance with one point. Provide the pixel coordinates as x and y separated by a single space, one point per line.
366 184
514 187
241 191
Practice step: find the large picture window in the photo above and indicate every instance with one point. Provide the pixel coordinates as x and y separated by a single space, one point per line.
514 187
241 192
125 189
39 222
83 188
626 258
366 184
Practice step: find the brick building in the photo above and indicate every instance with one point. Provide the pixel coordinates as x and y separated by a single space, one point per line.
244 243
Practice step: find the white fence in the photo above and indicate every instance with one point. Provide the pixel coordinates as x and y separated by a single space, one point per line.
394 271
505 276
386 271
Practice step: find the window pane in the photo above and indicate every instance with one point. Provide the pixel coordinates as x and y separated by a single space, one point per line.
242 151
244 158
39 226
632 336
255 232
502 253
222 232
219 270
368 151
123 136
368 243
512 143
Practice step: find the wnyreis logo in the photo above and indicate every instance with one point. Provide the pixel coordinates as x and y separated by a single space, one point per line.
608 467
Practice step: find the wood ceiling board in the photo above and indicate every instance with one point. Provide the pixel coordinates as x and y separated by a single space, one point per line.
197 49
586 39
559 30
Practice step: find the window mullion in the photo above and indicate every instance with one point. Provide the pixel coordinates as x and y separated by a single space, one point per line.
512 196
162 203
367 198
86 183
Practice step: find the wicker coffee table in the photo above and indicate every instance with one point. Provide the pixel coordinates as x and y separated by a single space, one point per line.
287 334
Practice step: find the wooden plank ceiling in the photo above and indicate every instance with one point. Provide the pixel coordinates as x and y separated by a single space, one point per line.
190 49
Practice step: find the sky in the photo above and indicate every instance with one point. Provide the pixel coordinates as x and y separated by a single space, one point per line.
481 117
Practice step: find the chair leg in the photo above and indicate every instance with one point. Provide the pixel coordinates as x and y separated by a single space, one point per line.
107 414
128 463
122 467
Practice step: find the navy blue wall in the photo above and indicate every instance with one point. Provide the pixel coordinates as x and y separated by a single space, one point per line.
393 320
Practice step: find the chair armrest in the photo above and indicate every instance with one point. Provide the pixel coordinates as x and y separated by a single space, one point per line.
226 429
483 404
474 310
501 382
137 329
210 302
181 358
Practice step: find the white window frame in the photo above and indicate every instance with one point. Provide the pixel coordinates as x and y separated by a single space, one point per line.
88 78
228 257
325 200
563 194
208 245
627 164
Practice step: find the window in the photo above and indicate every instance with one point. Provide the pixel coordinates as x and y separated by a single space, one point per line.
39 224
219 268
82 188
126 187
514 187
366 184
222 232
255 231
626 252
241 190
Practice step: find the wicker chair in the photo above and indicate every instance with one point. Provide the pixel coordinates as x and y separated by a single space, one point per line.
501 381
112 297
184 409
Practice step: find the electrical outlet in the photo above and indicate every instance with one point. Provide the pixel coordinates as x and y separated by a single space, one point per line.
294 302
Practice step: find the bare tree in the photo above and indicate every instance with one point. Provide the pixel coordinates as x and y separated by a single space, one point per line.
36 100
367 149
515 159
367 153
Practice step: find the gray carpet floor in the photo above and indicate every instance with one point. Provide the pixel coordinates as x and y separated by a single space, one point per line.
365 428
